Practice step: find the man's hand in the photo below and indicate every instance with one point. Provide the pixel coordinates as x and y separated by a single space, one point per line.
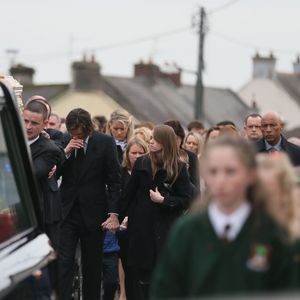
112 224
45 134
52 172
73 144
156 196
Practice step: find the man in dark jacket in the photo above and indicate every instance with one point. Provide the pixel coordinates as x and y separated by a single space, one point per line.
90 191
45 155
273 140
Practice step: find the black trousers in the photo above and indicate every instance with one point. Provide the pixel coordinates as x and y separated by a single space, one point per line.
91 242
110 275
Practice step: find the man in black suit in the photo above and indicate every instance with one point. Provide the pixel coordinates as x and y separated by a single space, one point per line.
45 155
90 192
273 140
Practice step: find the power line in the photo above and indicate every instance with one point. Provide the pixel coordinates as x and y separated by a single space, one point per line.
251 45
156 36
222 7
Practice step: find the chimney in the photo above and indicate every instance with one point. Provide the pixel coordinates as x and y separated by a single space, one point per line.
172 72
148 70
264 66
22 74
86 74
296 65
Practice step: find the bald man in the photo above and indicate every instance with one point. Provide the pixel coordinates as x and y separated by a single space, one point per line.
273 140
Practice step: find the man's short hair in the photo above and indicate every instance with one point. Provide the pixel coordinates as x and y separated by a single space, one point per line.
254 115
37 107
56 116
195 124
80 118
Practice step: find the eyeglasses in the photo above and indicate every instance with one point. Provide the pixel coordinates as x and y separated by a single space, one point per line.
253 126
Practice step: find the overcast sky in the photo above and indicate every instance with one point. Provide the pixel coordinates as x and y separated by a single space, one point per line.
51 34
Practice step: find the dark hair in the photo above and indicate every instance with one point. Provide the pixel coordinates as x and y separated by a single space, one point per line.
254 115
209 131
175 124
41 99
195 124
101 120
80 118
225 122
37 107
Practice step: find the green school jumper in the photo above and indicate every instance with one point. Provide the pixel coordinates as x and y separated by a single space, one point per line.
195 262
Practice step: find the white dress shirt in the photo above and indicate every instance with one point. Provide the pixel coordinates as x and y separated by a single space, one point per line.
32 141
277 147
235 220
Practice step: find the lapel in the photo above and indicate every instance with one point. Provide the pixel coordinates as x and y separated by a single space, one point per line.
260 146
36 146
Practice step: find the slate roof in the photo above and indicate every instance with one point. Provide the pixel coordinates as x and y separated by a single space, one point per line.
291 83
160 100
49 91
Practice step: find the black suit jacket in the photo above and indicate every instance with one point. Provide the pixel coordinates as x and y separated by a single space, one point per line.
290 149
97 186
149 223
45 154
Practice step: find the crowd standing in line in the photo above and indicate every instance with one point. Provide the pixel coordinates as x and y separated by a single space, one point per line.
164 213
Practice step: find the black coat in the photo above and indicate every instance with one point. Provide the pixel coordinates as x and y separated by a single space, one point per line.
97 186
194 169
45 154
290 149
149 223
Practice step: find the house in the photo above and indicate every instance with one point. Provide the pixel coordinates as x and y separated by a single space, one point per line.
269 90
153 94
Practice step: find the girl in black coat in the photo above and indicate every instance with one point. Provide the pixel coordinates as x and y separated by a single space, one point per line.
156 195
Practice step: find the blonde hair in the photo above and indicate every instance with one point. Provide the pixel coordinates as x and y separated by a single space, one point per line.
133 141
169 157
144 132
123 117
289 213
199 139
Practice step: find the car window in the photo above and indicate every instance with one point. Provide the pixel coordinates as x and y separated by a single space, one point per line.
14 218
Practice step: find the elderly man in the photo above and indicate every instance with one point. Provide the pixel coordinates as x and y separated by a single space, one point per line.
252 126
273 140
54 121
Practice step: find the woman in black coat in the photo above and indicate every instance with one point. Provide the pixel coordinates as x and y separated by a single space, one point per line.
157 194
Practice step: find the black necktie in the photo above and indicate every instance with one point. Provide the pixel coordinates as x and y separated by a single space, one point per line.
226 233
79 160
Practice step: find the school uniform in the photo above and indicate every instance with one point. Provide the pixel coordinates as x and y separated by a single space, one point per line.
209 253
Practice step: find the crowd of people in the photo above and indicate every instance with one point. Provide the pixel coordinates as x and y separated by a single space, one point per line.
163 212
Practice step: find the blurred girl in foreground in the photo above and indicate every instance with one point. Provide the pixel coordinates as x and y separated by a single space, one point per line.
232 246
280 179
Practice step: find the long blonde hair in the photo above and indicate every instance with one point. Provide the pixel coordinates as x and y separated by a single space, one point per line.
288 214
169 156
123 117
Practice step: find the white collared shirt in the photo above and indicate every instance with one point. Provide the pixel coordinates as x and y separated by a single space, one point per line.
235 220
85 144
32 141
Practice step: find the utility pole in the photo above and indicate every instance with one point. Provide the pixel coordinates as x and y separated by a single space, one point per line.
199 101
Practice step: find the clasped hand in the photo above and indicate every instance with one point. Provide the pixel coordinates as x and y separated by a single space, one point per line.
112 224
156 196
